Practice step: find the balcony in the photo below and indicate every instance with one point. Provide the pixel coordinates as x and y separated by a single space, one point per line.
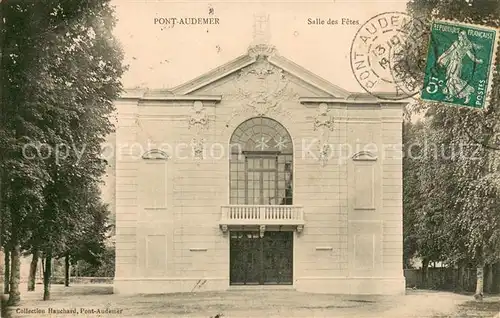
262 215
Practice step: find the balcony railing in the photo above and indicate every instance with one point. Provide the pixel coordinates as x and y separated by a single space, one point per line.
262 215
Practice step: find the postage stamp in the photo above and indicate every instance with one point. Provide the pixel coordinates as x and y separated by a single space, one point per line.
381 58
460 64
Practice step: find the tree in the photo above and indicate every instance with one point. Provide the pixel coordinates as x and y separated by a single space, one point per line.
467 203
20 180
104 267
89 244
411 194
61 70
33 267
426 193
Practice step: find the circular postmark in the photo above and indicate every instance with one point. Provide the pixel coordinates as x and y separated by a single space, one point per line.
407 58
379 55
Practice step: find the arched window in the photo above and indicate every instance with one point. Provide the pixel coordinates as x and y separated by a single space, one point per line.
261 163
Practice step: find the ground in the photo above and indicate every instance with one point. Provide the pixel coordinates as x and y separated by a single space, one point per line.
256 303
490 307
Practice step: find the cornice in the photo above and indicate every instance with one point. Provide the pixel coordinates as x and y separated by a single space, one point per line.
214 75
353 102
189 98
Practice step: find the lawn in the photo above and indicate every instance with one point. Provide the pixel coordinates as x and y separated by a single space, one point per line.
86 300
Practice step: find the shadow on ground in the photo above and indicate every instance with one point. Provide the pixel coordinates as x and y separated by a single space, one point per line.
488 308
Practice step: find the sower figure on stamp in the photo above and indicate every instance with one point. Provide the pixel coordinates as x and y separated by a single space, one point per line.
452 60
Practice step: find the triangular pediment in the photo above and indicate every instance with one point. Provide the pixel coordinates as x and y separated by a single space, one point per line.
266 78
261 64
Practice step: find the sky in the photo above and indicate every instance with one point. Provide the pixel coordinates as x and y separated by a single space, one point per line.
164 57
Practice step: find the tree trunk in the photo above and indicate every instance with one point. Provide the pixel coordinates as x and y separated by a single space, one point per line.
460 278
15 276
479 282
66 271
6 281
488 279
4 309
425 266
3 212
496 278
33 266
46 277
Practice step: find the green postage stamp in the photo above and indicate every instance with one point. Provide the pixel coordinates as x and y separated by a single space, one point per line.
460 64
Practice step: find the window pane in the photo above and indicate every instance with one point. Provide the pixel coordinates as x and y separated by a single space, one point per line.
272 163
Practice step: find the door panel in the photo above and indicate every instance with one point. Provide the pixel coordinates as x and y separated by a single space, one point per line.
244 257
278 257
266 260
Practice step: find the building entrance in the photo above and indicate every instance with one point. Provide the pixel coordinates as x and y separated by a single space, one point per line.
256 260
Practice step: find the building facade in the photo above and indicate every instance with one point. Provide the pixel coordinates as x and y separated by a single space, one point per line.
258 173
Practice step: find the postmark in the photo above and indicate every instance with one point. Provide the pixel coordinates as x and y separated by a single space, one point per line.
375 51
407 58
460 64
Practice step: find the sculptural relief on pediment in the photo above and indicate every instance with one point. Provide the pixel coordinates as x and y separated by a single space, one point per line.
261 87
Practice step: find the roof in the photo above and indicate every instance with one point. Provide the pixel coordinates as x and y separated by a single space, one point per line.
186 91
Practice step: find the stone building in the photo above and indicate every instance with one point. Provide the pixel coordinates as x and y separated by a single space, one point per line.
258 173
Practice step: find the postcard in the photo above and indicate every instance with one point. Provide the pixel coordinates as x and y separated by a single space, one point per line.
249 158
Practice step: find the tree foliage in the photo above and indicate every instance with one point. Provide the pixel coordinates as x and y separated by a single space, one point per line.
60 73
452 198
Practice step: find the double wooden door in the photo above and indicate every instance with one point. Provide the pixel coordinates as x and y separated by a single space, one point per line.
256 260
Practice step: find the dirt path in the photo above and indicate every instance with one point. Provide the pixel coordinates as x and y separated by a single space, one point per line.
427 304
85 299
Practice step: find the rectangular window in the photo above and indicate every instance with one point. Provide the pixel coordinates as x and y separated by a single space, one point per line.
263 179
